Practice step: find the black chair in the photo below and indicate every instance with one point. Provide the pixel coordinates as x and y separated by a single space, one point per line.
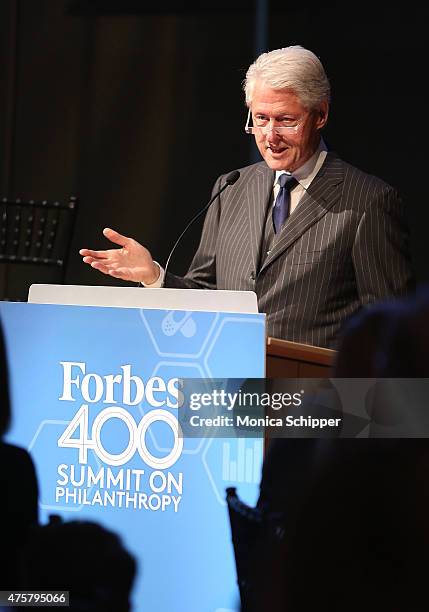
258 540
35 241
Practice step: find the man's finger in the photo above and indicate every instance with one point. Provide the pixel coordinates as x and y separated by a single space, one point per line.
116 237
100 267
94 254
119 273
96 260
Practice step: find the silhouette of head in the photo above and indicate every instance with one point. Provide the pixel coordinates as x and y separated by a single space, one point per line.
83 558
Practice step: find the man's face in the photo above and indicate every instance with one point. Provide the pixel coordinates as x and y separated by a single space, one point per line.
292 148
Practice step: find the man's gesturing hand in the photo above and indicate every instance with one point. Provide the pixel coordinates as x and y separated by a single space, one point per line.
131 262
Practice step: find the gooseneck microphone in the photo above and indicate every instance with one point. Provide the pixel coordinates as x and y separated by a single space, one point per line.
230 180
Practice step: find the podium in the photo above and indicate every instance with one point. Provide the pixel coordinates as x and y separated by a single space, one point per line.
93 398
81 376
294 360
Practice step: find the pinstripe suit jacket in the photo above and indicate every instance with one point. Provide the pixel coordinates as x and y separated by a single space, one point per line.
343 247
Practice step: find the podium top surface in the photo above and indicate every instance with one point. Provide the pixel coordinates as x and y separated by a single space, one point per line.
139 297
278 347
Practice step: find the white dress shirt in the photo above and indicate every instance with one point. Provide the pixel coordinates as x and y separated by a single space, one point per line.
304 175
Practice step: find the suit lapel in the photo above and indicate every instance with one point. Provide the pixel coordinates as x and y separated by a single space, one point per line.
321 195
259 190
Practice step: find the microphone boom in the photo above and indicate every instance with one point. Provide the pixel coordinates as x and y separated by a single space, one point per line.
231 178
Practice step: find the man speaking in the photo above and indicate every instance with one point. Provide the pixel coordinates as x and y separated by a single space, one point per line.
314 237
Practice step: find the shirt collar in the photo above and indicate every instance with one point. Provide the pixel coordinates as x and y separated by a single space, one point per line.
306 173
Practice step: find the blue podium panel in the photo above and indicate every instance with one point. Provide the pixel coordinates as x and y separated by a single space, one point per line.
95 395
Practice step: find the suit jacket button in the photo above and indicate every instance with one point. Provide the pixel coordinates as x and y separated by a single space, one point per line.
252 276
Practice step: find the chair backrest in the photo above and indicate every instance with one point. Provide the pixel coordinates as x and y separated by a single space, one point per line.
35 241
258 539
246 526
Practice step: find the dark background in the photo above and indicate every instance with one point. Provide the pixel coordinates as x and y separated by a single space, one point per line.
136 107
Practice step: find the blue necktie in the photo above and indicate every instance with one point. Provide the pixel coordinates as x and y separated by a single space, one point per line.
282 203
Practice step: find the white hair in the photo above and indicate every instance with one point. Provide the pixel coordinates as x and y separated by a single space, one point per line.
294 68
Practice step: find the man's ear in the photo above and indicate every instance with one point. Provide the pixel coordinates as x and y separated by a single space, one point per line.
322 115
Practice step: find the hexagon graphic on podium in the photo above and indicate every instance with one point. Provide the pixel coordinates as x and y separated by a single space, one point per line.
180 334
234 462
229 345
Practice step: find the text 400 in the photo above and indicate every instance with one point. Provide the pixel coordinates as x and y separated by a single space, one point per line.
136 436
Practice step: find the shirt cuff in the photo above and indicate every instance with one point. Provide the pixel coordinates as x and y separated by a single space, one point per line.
159 281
